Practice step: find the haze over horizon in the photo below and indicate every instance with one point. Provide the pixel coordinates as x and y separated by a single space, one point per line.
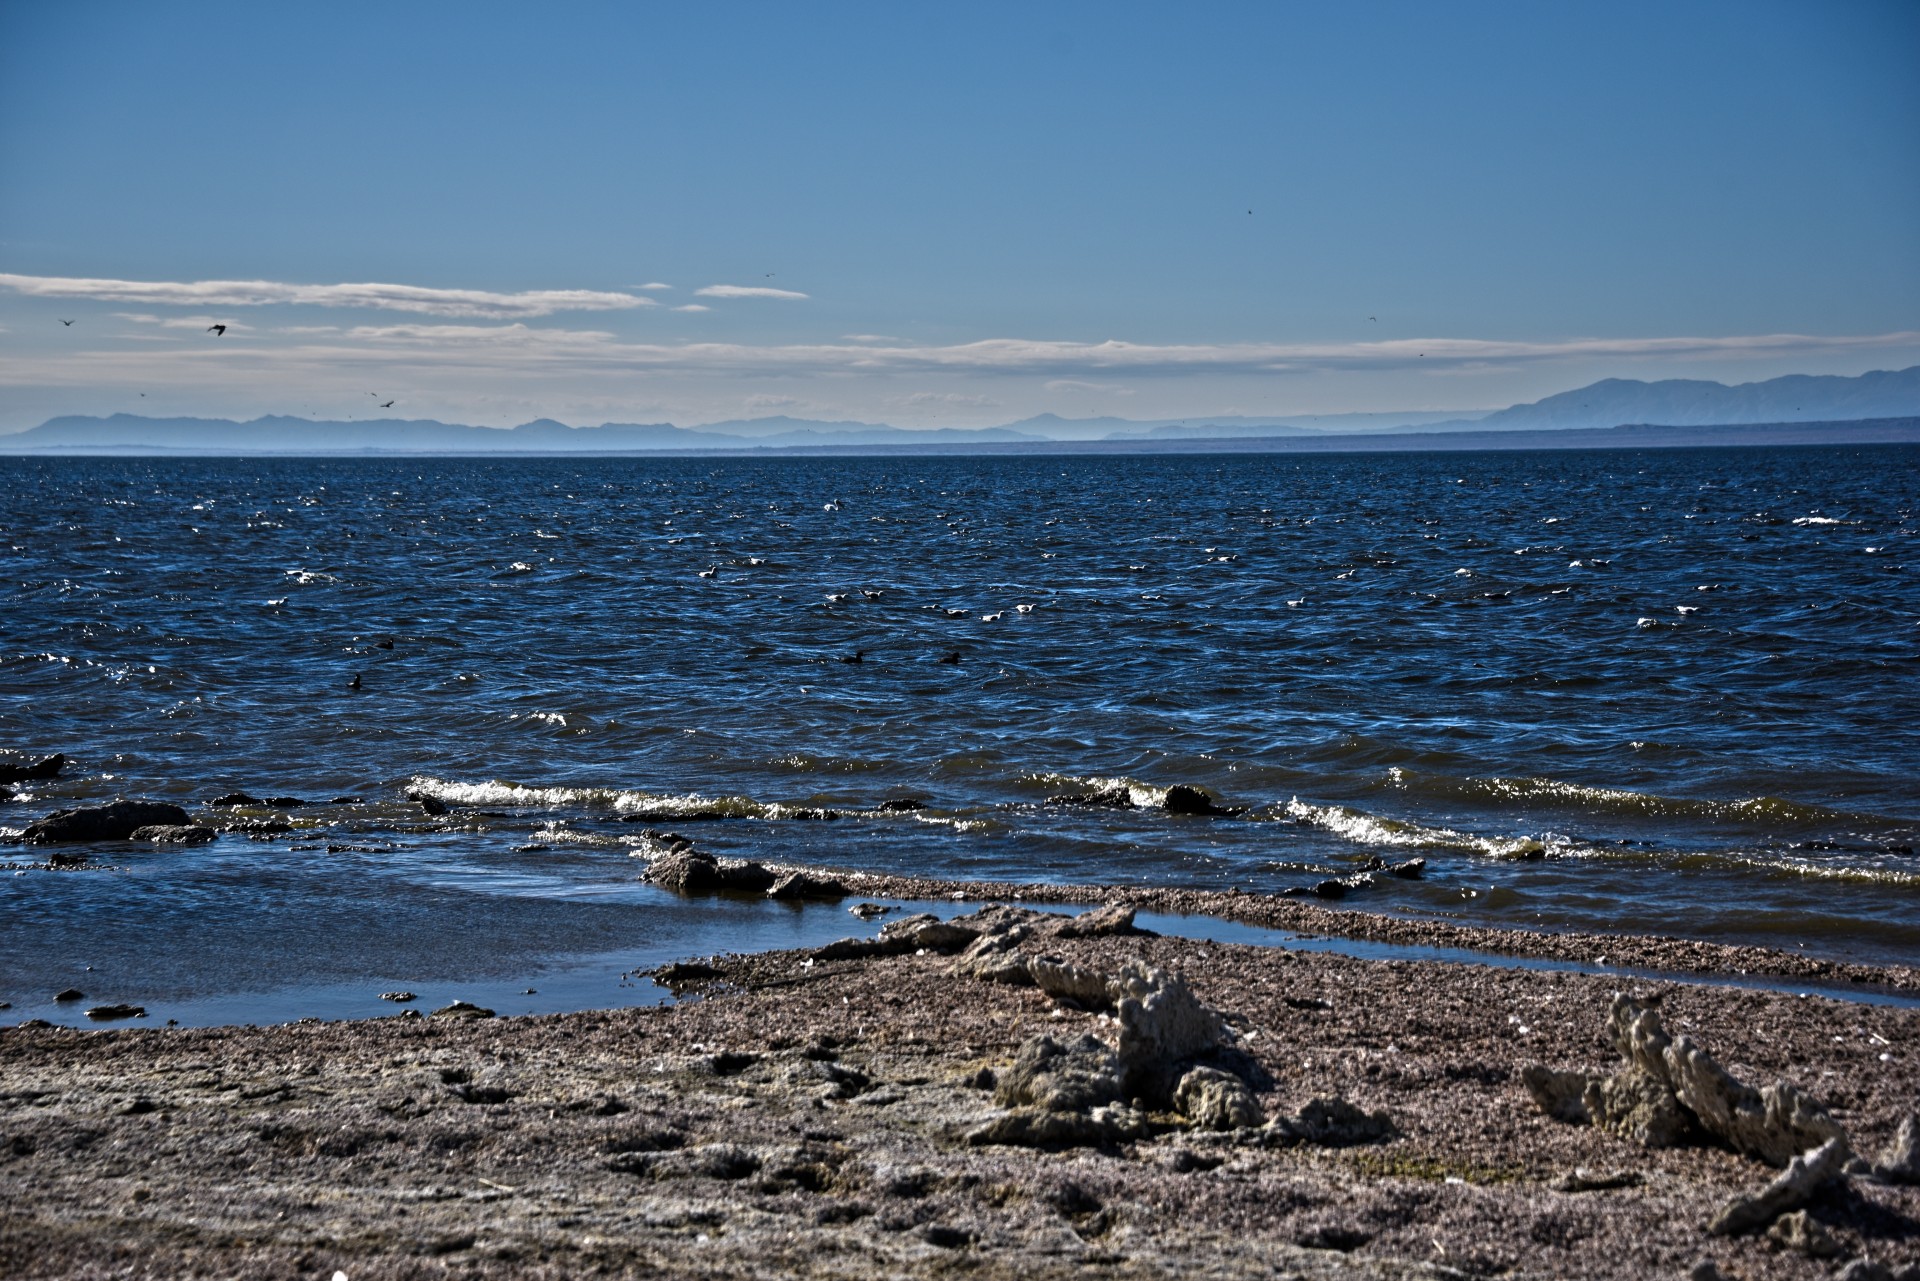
613 213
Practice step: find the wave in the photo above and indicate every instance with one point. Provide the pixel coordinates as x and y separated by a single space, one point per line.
1773 810
1374 829
1143 795
660 806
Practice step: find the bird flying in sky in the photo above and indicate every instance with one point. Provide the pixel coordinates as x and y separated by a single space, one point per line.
216 330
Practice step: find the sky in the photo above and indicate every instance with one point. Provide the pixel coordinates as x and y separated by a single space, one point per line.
944 215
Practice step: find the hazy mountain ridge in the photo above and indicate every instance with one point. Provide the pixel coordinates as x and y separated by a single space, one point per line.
1612 402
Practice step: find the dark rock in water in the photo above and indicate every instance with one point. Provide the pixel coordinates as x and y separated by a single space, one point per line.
234 800
401 997
805 885
462 1010
744 876
45 767
869 911
117 1012
687 870
672 841
67 858
1182 799
683 972
1410 869
114 822
5 796
285 802
900 805
70 994
427 801
188 834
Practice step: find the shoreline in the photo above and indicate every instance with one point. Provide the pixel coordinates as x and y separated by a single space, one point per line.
815 1113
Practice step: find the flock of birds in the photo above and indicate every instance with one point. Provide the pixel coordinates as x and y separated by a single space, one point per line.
219 330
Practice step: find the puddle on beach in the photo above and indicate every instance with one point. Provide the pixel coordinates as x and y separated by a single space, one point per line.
614 979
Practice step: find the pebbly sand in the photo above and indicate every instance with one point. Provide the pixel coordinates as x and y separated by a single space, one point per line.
798 1115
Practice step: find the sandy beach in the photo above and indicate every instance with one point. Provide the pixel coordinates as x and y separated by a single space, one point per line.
833 1114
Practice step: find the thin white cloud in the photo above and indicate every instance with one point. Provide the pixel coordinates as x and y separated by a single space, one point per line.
745 291
1075 384
651 285
693 306
201 323
871 338
768 401
471 303
961 399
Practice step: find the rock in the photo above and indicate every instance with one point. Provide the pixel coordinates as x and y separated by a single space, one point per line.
1865 1269
187 834
683 972
45 767
1561 1095
1333 1123
924 930
400 997
70 994
1216 1100
1410 869
285 802
869 911
1901 1161
688 871
1773 1123
258 826
805 885
428 802
1802 1233
1101 922
462 1010
1161 1021
1706 1270
900 805
1039 1128
1637 1106
1670 1087
1071 984
1584 1180
1056 1077
853 950
112 822
117 1012
1805 1175
1181 799
743 876
234 800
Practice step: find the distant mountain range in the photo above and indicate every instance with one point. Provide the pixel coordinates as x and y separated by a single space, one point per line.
1611 403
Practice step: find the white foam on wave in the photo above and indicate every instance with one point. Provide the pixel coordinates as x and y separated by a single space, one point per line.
1144 795
1363 828
617 800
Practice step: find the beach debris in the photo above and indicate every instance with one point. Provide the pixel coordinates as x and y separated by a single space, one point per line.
1805 1175
1582 1179
1901 1161
174 834
116 821
1671 1088
33 771
1803 1234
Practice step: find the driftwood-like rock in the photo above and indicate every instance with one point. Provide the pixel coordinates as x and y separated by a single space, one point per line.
1803 1234
1805 1175
1333 1123
1161 1020
116 821
1071 1077
797 885
1670 1086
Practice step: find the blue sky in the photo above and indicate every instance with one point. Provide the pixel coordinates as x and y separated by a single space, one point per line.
988 210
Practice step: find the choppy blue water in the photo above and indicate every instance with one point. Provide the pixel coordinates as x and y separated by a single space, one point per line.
1670 691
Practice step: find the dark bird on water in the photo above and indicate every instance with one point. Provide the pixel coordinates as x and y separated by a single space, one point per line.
66 322
385 644
355 682
217 330
858 656
952 656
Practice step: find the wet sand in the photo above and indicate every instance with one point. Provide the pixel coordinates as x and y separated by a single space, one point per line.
800 1116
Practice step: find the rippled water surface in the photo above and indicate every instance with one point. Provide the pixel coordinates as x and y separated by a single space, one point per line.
1673 692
